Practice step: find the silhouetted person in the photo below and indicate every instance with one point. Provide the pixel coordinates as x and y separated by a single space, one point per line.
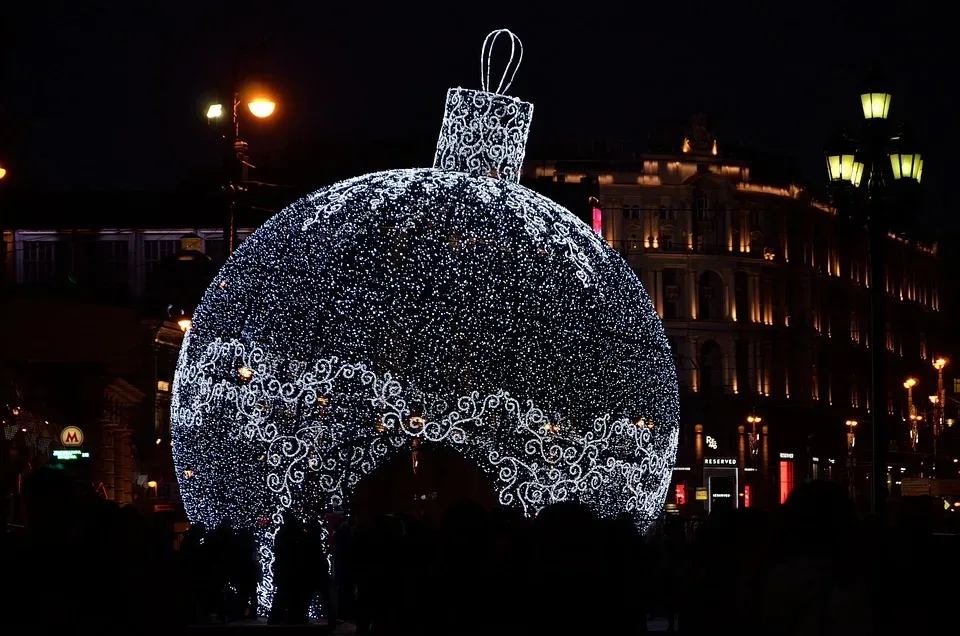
247 573
675 568
814 583
287 547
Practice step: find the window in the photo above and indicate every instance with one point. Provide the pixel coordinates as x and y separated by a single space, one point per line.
40 261
671 293
854 393
155 251
109 262
667 214
701 206
756 219
710 296
786 479
854 327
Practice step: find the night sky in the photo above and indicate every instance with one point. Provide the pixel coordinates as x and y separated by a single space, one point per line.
109 94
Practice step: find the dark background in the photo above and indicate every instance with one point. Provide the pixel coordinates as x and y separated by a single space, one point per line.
103 94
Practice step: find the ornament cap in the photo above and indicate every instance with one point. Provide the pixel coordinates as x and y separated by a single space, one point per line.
485 131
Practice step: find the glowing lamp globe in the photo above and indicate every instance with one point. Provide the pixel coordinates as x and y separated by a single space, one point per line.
261 107
447 305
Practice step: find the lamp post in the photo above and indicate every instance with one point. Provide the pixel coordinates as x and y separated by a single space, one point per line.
238 163
938 407
908 384
851 445
754 421
861 171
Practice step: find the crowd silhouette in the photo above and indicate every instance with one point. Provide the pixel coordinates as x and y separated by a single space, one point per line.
810 566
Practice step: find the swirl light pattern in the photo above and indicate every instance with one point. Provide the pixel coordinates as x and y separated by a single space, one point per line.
482 132
436 305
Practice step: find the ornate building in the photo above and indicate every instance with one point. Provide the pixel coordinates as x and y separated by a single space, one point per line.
92 329
763 294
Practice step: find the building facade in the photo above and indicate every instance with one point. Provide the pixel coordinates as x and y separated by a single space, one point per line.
106 305
763 292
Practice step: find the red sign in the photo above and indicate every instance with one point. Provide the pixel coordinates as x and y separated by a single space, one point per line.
746 496
680 491
598 220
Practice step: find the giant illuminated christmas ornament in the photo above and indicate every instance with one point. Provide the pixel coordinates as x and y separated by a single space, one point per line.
447 305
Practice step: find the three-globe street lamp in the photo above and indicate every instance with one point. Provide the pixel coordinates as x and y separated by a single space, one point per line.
861 172
261 107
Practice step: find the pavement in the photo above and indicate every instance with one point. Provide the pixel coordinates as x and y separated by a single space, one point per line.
315 627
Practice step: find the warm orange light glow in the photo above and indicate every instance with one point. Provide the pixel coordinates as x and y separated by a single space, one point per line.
261 107
939 363
185 324
151 484
910 383
3 172
245 372
214 111
852 423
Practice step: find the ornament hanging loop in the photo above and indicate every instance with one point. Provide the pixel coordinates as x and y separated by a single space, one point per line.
486 53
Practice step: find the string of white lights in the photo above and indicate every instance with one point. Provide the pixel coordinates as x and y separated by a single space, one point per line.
486 54
439 305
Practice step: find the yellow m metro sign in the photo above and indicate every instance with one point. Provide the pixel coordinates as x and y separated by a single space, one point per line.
71 436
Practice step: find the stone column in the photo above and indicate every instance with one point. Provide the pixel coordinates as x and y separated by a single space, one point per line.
729 379
123 464
693 295
729 228
692 353
109 461
698 452
765 451
658 285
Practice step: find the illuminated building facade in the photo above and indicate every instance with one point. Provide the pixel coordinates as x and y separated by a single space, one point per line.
763 291
92 312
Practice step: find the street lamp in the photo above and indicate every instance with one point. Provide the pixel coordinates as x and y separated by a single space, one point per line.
214 111
938 407
754 421
867 164
908 384
906 161
3 172
874 97
851 436
842 164
260 107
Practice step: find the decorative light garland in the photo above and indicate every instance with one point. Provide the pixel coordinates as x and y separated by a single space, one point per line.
438 305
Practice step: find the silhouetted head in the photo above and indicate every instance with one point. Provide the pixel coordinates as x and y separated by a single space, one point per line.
54 499
817 515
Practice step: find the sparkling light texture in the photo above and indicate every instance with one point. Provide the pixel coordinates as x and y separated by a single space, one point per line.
432 304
